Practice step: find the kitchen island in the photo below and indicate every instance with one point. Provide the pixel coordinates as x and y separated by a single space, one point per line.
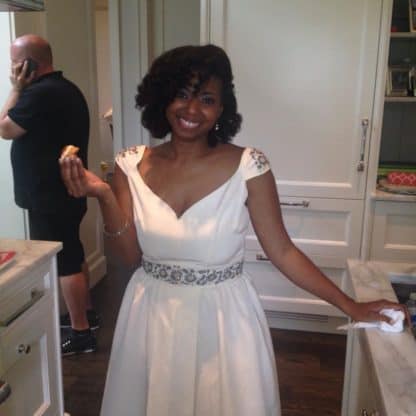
380 371
30 361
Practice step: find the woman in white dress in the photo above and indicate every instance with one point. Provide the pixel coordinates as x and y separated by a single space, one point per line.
191 337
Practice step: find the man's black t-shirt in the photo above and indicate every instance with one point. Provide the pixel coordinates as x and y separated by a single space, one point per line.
54 113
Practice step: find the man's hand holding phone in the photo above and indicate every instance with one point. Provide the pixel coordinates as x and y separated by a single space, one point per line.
23 74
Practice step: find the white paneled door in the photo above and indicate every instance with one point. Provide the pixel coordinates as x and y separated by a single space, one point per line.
305 74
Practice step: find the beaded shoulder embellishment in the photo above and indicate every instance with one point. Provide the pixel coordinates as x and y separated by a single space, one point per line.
129 150
260 159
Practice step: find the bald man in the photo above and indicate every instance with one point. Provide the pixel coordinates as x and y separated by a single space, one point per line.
43 113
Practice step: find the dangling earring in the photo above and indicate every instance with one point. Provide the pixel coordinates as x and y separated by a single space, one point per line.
217 126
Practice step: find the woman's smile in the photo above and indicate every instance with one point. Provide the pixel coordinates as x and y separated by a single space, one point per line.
187 124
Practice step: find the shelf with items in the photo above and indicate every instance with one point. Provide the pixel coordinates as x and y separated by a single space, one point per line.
397 144
401 71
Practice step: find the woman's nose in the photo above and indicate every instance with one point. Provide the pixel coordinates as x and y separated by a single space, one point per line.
193 105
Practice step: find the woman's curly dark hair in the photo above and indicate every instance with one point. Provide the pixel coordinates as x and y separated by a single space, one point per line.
174 70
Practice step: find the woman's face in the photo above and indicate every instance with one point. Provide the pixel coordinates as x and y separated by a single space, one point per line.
192 114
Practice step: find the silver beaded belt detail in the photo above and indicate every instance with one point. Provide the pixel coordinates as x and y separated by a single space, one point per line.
179 275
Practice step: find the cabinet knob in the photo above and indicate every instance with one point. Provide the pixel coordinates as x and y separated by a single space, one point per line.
23 349
5 391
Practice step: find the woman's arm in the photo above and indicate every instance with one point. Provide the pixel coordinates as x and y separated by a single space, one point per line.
264 208
115 203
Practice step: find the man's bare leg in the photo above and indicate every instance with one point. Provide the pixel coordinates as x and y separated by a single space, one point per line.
75 292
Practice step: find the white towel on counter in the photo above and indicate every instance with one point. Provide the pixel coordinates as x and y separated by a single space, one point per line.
395 326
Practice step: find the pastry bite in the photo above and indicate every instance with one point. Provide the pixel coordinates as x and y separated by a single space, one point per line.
69 150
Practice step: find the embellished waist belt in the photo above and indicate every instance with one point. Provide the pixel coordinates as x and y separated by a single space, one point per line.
179 275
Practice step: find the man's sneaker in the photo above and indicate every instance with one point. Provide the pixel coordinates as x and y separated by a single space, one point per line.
78 344
92 316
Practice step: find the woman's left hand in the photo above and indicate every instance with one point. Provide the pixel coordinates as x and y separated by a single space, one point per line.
370 311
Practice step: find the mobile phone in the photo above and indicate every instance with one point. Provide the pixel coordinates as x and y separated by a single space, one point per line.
31 66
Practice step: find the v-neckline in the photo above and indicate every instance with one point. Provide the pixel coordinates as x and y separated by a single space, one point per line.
203 198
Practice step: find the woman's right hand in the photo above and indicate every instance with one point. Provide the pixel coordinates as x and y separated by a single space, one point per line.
79 181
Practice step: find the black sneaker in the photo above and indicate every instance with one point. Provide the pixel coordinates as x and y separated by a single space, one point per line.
78 344
92 316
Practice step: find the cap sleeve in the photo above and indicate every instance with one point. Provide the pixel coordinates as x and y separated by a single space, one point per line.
127 159
255 163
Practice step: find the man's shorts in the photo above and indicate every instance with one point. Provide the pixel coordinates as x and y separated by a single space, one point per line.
64 228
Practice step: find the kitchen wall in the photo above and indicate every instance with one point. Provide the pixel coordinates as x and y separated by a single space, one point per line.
12 224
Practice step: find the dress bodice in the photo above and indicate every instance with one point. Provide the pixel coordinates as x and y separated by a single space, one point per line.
209 233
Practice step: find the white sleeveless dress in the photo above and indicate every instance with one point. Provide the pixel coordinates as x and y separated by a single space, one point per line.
191 336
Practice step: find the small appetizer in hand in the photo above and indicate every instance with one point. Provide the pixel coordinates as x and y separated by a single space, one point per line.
69 150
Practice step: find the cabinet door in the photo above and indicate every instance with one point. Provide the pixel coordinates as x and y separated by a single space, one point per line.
359 393
394 231
28 363
305 77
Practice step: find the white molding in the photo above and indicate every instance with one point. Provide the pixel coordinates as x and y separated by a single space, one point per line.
213 22
129 55
205 18
377 125
114 28
143 57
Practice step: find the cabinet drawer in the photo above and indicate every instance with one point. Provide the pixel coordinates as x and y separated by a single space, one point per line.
394 231
27 362
278 293
20 297
326 228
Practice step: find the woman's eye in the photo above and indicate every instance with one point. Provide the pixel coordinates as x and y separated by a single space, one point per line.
208 100
182 94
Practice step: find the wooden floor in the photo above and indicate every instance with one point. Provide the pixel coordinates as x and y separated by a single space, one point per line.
310 366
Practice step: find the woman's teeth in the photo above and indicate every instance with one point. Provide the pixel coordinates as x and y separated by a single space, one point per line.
188 124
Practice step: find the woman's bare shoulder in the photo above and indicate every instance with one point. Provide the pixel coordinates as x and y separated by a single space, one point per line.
230 151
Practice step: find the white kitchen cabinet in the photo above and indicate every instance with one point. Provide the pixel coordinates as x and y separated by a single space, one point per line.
30 360
305 76
393 235
359 395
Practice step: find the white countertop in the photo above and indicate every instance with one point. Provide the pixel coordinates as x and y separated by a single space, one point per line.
392 356
29 255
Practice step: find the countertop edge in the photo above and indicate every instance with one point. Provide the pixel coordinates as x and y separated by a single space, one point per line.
395 379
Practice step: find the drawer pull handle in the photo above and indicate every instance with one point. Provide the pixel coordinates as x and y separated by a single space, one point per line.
361 164
23 349
304 204
35 296
5 391
261 257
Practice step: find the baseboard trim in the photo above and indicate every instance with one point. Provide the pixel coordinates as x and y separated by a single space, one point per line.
305 322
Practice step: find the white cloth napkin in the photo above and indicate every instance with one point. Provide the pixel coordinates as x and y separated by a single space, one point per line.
395 326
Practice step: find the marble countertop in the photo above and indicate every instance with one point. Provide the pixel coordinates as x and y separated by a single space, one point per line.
29 254
392 356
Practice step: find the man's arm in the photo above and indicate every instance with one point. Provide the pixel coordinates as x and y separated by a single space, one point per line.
8 128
